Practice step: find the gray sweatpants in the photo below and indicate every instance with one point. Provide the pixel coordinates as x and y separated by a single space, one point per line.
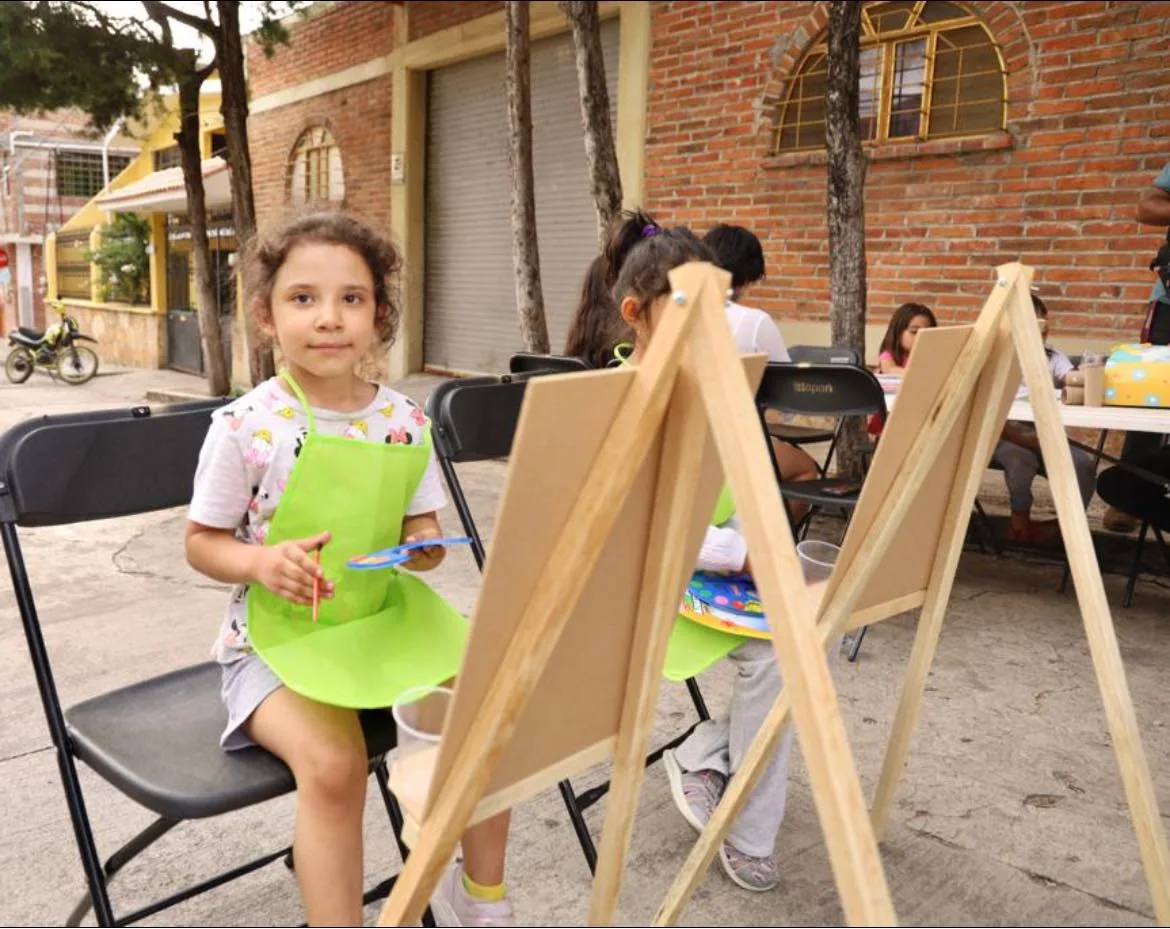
1021 465
721 743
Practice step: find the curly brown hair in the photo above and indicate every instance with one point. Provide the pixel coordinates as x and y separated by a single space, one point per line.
264 254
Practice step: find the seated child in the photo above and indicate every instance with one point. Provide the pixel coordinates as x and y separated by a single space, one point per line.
902 332
1018 453
268 504
904 326
700 768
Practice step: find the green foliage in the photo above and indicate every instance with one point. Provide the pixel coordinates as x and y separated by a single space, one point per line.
272 32
55 55
123 260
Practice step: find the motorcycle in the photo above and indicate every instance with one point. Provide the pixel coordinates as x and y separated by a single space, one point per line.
55 350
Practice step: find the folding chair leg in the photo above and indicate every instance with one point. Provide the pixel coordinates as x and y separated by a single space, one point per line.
855 646
697 699
578 820
123 856
83 833
985 526
1136 568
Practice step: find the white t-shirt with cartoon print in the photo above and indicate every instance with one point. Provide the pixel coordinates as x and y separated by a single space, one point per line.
249 453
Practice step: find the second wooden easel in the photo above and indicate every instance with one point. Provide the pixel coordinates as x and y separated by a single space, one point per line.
926 473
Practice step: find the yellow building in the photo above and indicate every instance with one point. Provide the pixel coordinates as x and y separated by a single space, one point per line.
144 313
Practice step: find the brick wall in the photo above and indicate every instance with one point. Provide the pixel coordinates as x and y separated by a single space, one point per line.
342 36
425 18
1088 124
358 118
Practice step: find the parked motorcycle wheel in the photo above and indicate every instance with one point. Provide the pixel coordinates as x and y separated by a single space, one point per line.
19 365
76 364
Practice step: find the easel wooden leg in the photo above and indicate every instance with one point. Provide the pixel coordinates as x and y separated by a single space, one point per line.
853 852
922 456
982 431
1090 589
665 576
568 566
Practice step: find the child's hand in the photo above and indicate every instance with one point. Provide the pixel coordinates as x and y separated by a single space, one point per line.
417 530
288 568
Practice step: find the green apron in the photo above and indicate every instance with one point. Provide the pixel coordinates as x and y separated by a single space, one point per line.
693 648
382 632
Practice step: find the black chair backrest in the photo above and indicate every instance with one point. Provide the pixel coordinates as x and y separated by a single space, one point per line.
529 362
820 390
101 464
825 355
474 418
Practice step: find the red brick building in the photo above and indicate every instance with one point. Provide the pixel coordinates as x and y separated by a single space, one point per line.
998 131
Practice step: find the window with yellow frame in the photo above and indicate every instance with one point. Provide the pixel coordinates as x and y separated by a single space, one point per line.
929 70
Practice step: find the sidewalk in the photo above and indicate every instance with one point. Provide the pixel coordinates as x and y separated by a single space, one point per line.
1011 810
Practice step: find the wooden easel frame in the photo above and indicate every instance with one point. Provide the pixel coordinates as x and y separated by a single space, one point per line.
1005 339
692 379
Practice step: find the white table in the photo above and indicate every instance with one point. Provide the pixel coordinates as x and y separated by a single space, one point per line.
1112 418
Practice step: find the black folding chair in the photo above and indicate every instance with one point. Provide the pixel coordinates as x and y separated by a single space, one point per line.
157 741
813 435
837 390
474 419
531 363
830 390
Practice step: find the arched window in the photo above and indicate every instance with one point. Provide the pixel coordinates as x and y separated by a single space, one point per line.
315 168
929 69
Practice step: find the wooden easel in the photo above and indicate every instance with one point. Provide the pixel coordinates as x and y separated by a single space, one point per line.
612 480
932 456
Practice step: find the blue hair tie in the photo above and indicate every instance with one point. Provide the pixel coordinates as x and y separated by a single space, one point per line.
650 230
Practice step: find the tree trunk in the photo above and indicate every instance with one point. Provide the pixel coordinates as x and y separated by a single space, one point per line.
229 49
525 256
846 207
605 179
218 377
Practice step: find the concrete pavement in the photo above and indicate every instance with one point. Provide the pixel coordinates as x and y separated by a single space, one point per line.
1011 811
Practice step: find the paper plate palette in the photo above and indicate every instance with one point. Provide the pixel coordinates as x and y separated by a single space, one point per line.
725 602
400 554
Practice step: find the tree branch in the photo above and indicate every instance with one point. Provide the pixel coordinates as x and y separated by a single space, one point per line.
204 26
115 26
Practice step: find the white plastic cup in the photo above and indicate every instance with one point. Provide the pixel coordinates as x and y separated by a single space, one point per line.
817 560
419 714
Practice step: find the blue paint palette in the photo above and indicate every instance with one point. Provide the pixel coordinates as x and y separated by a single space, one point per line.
400 554
726 592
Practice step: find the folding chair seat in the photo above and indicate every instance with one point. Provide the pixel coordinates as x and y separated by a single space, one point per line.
156 741
474 419
813 435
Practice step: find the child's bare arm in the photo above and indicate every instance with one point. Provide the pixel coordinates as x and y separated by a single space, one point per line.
287 569
416 529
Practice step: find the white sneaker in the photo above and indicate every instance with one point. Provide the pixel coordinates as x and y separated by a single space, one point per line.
452 905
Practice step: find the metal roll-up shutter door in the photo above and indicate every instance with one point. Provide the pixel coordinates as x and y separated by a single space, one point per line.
469 314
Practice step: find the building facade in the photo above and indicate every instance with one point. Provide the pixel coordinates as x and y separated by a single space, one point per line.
146 315
995 132
50 166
